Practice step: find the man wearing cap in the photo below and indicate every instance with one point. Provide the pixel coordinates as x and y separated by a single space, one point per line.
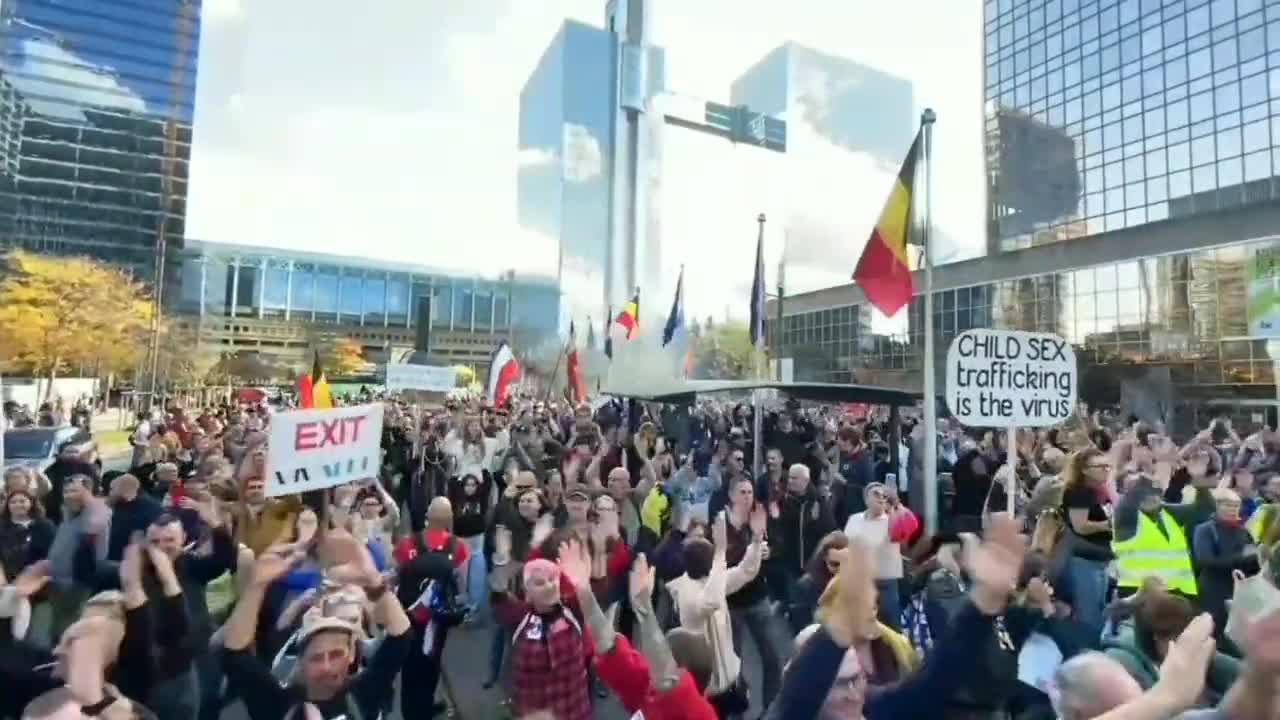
327 687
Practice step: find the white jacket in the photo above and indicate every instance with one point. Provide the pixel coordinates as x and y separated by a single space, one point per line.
703 608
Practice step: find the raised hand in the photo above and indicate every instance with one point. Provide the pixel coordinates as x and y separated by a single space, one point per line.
994 563
855 608
275 562
346 559
575 563
1182 673
720 532
131 562
1262 645
206 509
640 582
542 529
502 542
759 521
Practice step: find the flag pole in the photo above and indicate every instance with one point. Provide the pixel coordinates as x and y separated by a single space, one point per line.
757 413
927 120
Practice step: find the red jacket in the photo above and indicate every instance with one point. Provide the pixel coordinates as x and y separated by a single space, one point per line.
626 672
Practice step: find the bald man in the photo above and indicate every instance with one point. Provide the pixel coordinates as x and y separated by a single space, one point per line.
433 570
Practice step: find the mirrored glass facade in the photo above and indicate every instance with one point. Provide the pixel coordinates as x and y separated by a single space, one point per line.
249 282
96 105
566 149
1190 329
1108 114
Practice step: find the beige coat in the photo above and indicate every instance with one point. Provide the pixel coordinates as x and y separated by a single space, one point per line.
703 608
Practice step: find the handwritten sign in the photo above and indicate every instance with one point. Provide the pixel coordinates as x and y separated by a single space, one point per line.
1006 378
317 449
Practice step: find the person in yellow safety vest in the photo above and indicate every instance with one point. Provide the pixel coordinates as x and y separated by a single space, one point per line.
1150 538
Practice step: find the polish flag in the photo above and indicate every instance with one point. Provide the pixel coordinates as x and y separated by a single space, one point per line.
504 371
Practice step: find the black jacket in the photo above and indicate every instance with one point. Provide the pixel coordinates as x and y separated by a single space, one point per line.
22 545
802 522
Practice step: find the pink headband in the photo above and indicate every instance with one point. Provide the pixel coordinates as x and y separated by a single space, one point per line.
541 567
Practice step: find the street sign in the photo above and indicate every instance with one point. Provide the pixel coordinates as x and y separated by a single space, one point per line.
1007 378
743 125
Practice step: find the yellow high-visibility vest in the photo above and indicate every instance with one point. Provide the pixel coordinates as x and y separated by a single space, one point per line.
1149 553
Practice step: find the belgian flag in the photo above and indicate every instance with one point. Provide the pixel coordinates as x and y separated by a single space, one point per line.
884 270
629 318
313 389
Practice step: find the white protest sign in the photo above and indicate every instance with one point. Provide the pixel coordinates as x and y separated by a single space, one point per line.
317 449
432 378
1006 378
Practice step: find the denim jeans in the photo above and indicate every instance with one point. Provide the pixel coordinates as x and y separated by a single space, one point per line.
477 577
890 612
767 632
1089 582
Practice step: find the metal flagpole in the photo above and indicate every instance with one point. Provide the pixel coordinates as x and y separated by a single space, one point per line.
927 120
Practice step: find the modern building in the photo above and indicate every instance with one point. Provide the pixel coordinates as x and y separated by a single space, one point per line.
1152 251
825 100
581 154
283 303
96 106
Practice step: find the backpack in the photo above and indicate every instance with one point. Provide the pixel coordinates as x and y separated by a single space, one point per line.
435 565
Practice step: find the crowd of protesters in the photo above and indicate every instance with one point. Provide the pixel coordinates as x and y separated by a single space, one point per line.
629 550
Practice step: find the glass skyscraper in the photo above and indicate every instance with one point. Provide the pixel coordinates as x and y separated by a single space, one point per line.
1132 153
566 148
1108 114
96 103
568 113
825 101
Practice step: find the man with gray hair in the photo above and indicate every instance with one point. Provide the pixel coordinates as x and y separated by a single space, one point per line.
1093 686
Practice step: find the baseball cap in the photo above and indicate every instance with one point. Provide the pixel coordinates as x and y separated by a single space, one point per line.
578 493
316 621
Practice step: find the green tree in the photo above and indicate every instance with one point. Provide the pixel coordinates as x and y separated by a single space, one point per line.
724 351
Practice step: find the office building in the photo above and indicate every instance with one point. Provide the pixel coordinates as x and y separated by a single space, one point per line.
826 102
1153 251
282 303
569 186
95 126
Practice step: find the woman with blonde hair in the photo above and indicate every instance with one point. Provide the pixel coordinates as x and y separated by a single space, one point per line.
1086 509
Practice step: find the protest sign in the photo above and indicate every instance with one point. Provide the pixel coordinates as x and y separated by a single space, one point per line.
431 378
317 449
1006 378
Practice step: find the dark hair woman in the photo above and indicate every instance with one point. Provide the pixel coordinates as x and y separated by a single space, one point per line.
821 568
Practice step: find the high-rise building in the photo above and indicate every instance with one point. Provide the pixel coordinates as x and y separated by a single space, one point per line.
1133 148
831 95
1106 115
96 106
827 102
570 110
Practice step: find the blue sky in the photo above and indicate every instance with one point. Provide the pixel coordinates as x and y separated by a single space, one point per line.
391 132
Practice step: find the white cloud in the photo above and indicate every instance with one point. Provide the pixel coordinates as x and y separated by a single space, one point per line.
54 81
535 157
582 156
221 10
402 145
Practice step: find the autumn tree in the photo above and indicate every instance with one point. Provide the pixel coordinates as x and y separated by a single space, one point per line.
345 357
58 312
